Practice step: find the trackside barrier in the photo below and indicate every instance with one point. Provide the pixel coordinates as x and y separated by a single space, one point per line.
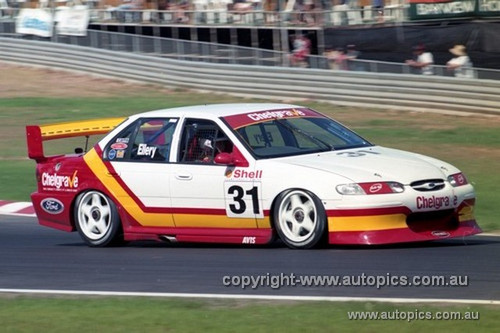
399 91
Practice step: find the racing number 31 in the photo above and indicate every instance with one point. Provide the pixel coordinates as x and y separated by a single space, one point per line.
242 199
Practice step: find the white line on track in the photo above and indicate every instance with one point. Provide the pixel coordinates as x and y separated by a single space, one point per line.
252 297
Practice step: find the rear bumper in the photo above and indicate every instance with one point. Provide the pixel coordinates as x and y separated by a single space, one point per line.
59 216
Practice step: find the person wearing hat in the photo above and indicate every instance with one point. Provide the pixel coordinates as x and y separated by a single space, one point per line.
422 60
460 64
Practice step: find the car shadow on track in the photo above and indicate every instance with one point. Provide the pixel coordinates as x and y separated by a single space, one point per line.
455 242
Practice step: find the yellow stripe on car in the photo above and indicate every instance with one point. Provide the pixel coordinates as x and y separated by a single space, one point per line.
367 223
94 162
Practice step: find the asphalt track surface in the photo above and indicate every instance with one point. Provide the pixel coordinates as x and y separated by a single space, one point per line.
35 257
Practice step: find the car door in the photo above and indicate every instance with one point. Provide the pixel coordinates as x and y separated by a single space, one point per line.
140 157
204 193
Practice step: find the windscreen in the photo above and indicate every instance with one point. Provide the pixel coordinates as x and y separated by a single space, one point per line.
303 133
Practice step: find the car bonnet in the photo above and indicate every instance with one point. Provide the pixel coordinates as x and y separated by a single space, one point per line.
376 164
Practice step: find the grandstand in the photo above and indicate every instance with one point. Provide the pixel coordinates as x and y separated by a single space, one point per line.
381 34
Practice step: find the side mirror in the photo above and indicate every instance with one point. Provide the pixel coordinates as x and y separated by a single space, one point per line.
224 158
232 159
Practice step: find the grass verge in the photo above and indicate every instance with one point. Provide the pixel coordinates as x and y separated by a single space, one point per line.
109 314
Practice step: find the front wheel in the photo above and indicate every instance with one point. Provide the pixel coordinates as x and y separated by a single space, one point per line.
299 218
97 219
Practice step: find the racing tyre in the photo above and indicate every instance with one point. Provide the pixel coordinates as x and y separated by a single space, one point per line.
299 218
97 220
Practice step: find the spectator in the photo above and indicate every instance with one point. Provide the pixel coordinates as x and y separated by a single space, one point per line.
309 12
422 61
242 6
352 54
337 59
128 11
461 64
180 7
378 10
300 51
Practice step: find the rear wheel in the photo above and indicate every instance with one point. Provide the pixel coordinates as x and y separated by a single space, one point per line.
97 219
299 218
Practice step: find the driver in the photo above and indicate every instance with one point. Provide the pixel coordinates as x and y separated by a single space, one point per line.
211 149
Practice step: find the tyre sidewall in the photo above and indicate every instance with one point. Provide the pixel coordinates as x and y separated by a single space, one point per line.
316 237
114 230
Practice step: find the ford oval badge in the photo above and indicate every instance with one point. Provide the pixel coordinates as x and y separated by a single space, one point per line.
52 206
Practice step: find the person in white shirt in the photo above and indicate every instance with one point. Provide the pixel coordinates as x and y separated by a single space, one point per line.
461 64
422 61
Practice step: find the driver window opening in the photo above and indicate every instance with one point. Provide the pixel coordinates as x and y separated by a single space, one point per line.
201 141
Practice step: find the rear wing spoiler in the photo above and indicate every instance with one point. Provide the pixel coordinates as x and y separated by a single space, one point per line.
37 134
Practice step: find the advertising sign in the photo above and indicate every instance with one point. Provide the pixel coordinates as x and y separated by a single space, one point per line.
441 9
72 21
35 21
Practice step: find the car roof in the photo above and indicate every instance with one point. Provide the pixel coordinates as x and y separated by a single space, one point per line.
215 110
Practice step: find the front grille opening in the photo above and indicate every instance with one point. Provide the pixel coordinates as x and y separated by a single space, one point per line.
443 220
428 185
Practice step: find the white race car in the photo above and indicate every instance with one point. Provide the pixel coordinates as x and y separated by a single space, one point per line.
243 173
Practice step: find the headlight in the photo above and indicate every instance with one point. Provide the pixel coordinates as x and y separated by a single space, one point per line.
370 188
457 179
350 189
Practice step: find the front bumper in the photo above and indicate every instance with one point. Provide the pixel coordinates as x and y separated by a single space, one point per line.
400 224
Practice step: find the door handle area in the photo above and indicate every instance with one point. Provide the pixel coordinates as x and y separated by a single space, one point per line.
184 176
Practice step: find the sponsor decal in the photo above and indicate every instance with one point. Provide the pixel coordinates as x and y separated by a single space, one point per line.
244 174
58 166
60 182
248 240
119 145
120 153
112 154
145 150
441 234
52 206
375 188
358 153
275 114
436 202
122 140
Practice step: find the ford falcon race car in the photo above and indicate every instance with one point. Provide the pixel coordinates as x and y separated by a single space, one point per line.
243 173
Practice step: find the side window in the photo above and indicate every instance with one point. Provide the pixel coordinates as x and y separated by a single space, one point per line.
201 141
149 140
118 147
